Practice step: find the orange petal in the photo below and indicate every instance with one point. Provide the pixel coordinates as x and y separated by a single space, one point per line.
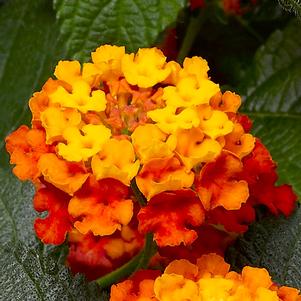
219 185
26 147
67 176
101 207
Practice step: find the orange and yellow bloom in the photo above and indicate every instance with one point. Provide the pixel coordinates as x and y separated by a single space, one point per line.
208 279
123 122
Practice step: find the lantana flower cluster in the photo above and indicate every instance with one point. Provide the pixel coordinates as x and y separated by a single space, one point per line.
207 280
132 143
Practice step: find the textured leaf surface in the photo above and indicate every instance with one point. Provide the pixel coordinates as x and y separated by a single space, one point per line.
274 244
272 92
133 23
293 6
29 50
28 269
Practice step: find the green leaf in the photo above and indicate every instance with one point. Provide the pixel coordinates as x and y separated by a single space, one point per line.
87 24
29 50
293 6
272 90
28 269
274 244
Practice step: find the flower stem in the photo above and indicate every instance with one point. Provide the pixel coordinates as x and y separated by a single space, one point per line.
138 194
140 261
149 250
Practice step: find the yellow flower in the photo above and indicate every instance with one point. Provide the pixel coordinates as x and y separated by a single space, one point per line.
80 98
189 92
68 71
117 161
107 61
194 148
83 146
214 123
169 121
174 76
150 142
215 289
172 287
55 121
146 68
196 66
263 294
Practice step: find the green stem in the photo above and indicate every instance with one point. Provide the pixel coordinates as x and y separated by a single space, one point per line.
149 250
192 31
138 194
140 261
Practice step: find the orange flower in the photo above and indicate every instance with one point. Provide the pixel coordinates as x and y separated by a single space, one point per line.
260 172
172 216
101 207
67 176
194 148
164 174
286 293
53 228
227 102
109 164
40 100
219 185
139 287
238 142
25 147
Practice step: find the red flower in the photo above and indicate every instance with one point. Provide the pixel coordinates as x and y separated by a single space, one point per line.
101 207
53 228
210 240
260 173
233 220
171 215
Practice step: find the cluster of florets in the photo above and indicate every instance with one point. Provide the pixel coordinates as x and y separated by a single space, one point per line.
209 279
124 122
